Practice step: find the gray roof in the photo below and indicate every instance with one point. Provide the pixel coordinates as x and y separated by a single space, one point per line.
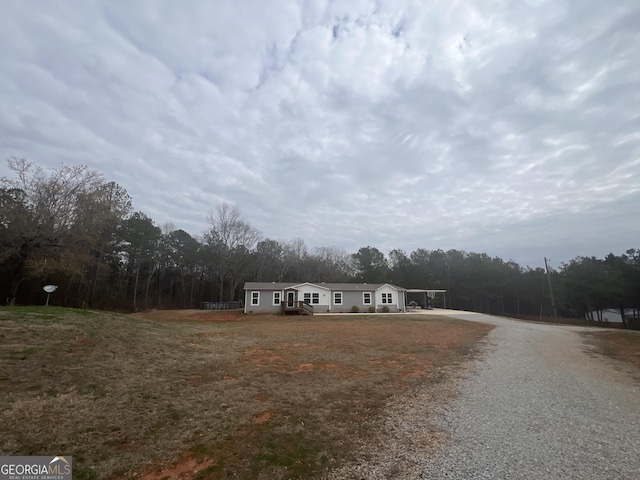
367 287
421 290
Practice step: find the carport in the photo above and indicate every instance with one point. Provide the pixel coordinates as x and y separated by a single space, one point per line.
424 297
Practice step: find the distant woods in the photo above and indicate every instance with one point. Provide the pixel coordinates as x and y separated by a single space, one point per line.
71 227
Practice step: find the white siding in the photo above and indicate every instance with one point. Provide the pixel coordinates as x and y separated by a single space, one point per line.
608 315
386 290
324 296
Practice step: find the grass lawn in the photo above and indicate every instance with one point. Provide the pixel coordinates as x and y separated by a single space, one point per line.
194 394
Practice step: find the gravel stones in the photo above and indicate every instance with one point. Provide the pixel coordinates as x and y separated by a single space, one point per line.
534 404
539 406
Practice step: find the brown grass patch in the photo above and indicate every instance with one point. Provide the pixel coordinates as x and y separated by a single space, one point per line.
168 395
623 346
191 315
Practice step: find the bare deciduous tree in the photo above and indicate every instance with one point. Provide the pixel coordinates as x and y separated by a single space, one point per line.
45 213
231 238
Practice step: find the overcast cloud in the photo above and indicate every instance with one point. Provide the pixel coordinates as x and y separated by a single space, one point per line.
505 127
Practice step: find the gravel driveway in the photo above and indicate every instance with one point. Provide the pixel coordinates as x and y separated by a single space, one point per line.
535 404
539 406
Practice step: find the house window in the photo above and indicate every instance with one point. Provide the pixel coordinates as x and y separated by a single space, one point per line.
387 298
276 298
316 298
307 298
337 298
255 298
366 298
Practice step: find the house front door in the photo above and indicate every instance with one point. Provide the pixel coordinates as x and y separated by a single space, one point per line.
291 299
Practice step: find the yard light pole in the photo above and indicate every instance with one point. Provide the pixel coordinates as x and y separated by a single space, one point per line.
49 289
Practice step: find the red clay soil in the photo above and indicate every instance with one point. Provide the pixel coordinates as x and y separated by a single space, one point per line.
186 468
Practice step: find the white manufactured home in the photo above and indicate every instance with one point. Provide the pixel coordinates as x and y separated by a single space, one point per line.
309 298
613 315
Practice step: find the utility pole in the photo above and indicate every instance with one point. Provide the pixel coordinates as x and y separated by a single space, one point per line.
553 301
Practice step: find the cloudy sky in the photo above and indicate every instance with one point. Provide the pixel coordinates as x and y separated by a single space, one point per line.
505 127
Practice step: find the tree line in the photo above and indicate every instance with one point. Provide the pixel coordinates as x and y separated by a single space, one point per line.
71 227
